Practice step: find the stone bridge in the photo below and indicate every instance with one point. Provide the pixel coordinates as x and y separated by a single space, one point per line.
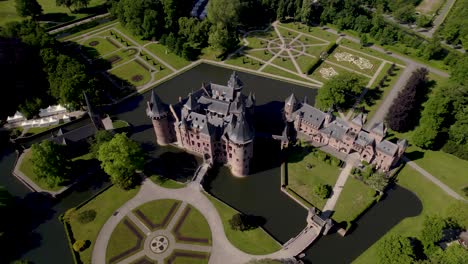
200 173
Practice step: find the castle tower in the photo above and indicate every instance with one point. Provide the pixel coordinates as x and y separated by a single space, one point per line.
158 112
289 107
357 123
240 144
250 104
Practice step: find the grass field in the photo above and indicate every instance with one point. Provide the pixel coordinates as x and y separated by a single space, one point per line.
103 47
302 180
278 72
51 11
37 130
166 183
245 62
354 199
261 54
314 31
131 69
195 226
305 63
156 211
105 204
285 63
26 167
169 57
433 199
122 239
255 241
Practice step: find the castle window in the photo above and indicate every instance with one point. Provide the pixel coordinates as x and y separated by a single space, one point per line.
230 155
193 142
237 160
198 144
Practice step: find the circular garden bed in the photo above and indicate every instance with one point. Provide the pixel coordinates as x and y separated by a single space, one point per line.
94 43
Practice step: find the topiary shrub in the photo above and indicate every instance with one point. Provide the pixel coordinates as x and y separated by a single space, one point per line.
323 190
238 222
86 216
80 245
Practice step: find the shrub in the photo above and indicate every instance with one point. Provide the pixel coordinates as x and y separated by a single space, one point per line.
80 245
322 190
86 216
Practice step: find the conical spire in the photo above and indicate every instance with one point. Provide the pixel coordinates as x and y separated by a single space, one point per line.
241 132
235 82
358 120
379 129
156 108
291 100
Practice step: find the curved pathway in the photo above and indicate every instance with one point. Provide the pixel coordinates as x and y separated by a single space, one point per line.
222 250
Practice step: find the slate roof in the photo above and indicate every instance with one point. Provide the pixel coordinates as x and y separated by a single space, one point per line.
364 139
337 129
191 103
224 91
74 135
312 115
250 101
156 107
240 131
199 122
379 129
358 120
387 148
214 105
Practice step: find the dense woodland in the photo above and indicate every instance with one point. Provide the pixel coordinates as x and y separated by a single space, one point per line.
454 30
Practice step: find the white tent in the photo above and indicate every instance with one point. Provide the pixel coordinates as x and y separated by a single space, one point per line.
16 118
52 110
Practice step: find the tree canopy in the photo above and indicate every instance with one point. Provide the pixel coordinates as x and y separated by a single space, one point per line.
339 91
120 158
26 8
50 162
395 249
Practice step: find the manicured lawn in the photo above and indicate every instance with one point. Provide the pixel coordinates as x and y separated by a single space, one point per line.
119 124
308 40
434 201
36 130
375 63
130 35
122 239
103 47
305 63
255 241
194 226
261 54
302 180
244 62
287 34
315 50
259 39
124 55
50 9
105 204
189 260
156 211
169 57
313 31
284 62
26 167
77 34
131 69
278 72
354 199
166 183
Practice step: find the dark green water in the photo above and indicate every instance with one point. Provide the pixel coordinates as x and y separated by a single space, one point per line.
257 194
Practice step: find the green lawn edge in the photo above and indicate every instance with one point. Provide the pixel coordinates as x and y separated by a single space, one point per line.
256 241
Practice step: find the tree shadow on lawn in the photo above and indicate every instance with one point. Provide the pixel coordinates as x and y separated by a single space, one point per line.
414 155
56 17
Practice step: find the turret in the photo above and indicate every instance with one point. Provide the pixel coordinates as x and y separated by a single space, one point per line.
402 145
240 135
357 122
378 132
234 82
158 112
289 107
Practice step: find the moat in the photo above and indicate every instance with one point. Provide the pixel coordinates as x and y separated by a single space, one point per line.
258 194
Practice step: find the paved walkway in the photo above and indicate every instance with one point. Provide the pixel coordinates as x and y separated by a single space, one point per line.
433 179
78 23
339 185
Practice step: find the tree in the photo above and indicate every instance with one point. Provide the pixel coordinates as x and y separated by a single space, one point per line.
458 214
339 90
453 254
221 38
224 12
377 181
26 8
101 137
239 222
120 158
432 232
322 190
403 113
405 13
66 3
395 249
50 162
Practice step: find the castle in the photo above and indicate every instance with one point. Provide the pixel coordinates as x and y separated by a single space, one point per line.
214 122
323 129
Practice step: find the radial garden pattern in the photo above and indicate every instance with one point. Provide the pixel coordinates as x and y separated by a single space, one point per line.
161 231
